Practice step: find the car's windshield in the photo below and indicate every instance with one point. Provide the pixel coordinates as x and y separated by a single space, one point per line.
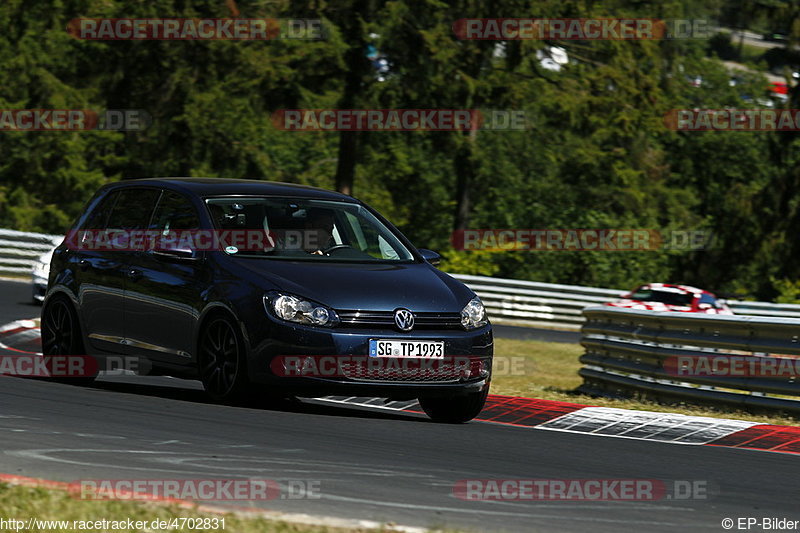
667 296
304 229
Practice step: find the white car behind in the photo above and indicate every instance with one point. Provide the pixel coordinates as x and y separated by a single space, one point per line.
41 270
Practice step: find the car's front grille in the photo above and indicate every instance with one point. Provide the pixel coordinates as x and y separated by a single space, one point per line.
361 370
385 319
449 369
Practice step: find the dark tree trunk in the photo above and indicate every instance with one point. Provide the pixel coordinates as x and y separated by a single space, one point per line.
346 164
358 67
464 166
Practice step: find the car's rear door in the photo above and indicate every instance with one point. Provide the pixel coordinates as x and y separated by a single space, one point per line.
103 264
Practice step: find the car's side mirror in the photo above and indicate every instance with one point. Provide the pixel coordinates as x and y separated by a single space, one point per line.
430 256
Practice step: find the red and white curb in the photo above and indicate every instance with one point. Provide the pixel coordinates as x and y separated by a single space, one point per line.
22 336
611 422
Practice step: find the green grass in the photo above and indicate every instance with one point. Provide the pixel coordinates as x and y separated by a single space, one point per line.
751 54
14 276
551 373
21 503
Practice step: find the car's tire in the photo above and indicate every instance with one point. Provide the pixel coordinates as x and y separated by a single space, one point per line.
221 360
61 335
454 409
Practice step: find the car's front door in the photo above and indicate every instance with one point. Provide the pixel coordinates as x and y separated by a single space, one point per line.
163 293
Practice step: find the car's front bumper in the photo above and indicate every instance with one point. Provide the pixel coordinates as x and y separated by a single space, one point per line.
271 344
38 289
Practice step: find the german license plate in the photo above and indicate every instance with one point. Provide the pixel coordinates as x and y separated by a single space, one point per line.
406 348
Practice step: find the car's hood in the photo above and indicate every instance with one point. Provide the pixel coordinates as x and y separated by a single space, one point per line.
374 287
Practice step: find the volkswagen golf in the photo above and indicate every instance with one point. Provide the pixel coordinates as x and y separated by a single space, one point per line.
266 288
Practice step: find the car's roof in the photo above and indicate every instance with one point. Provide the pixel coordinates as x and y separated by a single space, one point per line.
686 289
224 186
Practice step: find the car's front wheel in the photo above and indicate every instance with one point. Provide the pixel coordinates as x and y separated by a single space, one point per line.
454 409
221 360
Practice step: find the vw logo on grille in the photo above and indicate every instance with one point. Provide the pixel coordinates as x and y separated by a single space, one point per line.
404 319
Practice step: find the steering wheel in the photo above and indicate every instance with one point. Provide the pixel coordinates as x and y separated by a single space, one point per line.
335 247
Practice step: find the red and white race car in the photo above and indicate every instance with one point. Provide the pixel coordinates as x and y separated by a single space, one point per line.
667 297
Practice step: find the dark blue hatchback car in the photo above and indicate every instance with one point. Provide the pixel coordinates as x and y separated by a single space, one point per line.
266 288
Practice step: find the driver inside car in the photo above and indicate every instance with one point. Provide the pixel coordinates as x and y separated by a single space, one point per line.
319 231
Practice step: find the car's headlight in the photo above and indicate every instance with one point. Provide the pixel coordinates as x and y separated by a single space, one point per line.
295 309
41 271
474 314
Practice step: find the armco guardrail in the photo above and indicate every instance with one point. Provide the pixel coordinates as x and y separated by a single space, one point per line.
740 360
19 249
531 303
764 309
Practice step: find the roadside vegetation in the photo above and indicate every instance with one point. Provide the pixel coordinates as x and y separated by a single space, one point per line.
596 152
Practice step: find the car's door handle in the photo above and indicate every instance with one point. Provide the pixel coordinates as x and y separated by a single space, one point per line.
83 264
134 274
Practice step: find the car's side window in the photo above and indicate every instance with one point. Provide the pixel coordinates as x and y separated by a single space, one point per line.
98 218
174 212
706 299
132 210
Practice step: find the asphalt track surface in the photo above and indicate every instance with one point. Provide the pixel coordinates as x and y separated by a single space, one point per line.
16 302
383 466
